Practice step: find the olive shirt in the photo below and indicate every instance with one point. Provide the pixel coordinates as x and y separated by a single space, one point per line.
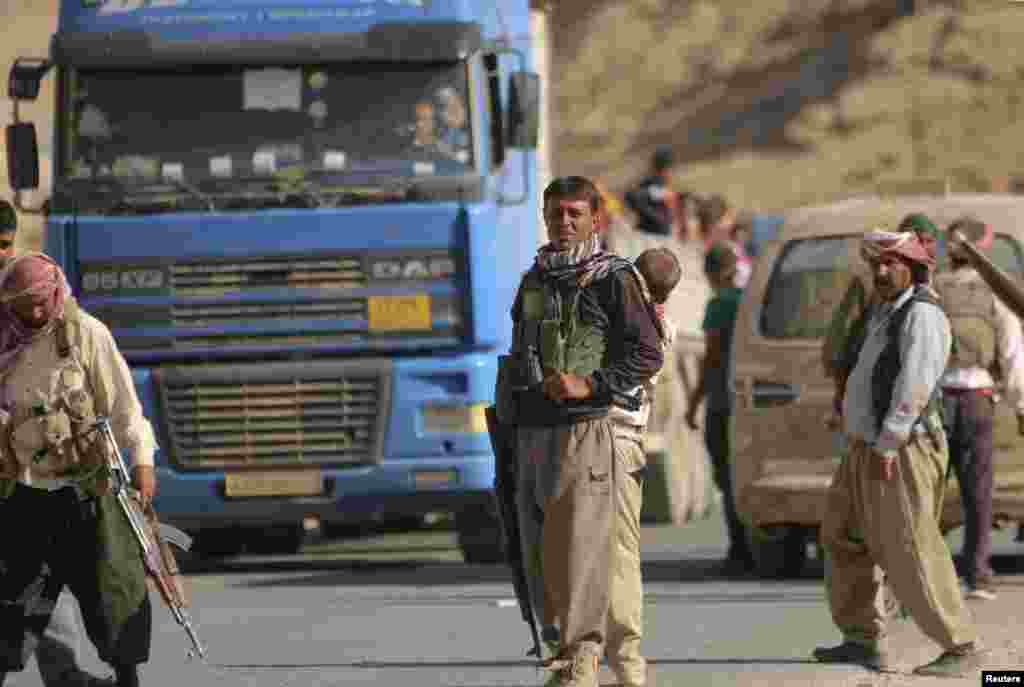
855 301
720 316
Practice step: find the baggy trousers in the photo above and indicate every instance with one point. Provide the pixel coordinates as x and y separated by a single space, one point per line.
969 417
84 545
892 524
566 503
57 653
626 611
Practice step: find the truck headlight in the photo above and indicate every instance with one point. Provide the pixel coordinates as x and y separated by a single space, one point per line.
454 419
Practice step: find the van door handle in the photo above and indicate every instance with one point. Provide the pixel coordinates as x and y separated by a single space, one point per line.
767 394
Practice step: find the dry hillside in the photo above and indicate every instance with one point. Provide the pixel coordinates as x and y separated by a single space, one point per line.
775 103
783 102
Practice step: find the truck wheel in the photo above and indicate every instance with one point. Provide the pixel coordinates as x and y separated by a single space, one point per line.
779 551
479 535
217 543
276 540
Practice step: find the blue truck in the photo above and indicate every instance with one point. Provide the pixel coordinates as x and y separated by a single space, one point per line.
304 222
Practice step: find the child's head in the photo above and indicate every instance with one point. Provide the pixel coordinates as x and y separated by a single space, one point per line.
660 269
720 264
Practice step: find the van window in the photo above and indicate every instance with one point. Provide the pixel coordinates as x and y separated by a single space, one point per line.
1005 253
812 275
810 278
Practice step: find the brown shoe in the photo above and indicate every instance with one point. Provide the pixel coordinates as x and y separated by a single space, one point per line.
578 670
962 661
854 654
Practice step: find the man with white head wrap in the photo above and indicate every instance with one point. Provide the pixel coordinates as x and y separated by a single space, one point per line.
886 496
59 370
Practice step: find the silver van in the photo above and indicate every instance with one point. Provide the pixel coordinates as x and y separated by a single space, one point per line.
784 447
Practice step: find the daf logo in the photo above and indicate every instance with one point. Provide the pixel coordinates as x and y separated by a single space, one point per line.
413 268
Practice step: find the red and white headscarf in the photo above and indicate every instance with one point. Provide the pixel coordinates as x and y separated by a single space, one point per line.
878 242
32 275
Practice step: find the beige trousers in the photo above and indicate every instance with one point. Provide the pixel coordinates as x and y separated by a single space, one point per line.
566 501
892 524
626 611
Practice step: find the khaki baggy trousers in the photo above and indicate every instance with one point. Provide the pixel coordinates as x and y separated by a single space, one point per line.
566 501
892 524
626 611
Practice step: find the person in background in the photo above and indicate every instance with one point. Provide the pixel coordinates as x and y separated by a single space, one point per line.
713 388
986 338
718 221
653 201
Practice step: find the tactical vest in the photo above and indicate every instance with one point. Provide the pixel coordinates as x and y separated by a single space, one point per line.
62 425
971 309
549 336
889 364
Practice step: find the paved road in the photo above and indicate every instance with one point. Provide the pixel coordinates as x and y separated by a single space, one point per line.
403 610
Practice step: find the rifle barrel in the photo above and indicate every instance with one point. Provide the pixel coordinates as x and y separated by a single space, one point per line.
1000 282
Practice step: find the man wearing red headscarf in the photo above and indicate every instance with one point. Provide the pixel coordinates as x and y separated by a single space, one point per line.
883 507
59 370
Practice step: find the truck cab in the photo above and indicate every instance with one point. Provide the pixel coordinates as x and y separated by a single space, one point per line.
304 222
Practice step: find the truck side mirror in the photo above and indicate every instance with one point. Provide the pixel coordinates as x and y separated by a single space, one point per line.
523 110
25 77
22 156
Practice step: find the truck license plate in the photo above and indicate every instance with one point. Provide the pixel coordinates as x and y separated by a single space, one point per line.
273 483
399 313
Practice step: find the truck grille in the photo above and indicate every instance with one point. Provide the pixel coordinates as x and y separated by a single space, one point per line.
225 313
210 277
279 414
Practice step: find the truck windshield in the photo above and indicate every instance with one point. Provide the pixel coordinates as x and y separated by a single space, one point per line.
337 133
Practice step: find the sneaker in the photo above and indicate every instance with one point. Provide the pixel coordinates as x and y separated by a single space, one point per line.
853 653
962 661
980 593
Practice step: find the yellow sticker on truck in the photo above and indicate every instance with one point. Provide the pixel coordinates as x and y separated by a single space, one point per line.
399 313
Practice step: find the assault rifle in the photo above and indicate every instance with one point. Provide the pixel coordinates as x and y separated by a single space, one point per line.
152 537
506 470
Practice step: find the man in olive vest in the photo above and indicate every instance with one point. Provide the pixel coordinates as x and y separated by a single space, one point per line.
883 507
584 338
59 370
986 338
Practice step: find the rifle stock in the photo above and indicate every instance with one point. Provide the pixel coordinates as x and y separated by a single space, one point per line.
157 557
506 471
1002 285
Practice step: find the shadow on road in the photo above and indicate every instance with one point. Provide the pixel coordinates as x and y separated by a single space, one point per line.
414 567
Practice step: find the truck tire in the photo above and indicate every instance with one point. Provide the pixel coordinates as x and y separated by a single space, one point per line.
779 551
217 543
479 535
275 541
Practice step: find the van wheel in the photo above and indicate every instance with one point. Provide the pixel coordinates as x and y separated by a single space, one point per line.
479 534
779 551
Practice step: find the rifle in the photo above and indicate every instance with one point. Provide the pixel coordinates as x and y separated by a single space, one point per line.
505 484
1002 285
152 537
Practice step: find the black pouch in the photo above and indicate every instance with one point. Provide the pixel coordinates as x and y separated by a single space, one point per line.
506 389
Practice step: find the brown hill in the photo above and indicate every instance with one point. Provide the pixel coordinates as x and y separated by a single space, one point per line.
779 103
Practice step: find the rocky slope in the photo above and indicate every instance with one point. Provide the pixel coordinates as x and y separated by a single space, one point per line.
785 102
